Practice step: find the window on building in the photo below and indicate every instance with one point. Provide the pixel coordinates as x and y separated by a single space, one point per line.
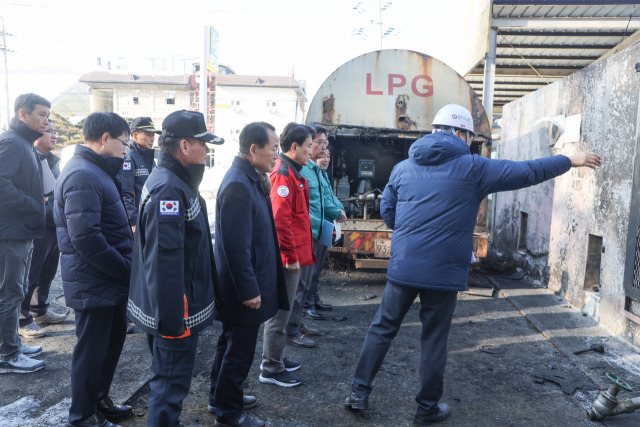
171 101
135 100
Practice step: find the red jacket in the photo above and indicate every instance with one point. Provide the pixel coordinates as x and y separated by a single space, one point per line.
290 201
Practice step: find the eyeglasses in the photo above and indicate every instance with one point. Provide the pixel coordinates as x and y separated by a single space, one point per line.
322 142
125 143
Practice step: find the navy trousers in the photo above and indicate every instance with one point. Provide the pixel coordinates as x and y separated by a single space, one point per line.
44 264
234 356
171 371
436 313
101 333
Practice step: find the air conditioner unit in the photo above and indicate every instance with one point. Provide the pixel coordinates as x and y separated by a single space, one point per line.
234 138
236 108
273 109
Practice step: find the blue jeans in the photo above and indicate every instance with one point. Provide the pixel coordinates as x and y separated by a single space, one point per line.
15 259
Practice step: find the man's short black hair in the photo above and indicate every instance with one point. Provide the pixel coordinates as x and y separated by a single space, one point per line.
28 102
312 131
254 133
293 133
317 129
96 124
169 144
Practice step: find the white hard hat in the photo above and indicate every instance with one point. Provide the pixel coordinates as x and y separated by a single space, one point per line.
454 115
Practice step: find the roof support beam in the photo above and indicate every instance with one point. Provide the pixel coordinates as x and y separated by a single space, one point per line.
561 2
552 57
628 42
578 23
554 46
527 72
534 33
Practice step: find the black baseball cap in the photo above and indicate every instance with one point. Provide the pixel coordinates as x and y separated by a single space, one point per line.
189 124
144 123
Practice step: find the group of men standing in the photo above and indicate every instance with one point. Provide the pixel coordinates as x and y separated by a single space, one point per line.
168 280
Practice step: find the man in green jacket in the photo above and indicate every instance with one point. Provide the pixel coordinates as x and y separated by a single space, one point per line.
322 206
333 210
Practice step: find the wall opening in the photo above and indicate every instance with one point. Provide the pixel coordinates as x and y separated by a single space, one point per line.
522 239
594 263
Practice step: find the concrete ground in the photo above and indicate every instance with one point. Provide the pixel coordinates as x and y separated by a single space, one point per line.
511 363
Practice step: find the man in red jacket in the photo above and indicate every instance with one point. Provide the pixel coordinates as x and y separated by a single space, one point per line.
290 201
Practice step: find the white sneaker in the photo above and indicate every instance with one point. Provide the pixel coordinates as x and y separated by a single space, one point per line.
49 317
30 351
21 364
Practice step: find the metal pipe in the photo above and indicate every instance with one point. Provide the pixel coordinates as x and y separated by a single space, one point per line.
490 76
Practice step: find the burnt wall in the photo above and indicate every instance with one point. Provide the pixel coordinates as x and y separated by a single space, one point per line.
597 108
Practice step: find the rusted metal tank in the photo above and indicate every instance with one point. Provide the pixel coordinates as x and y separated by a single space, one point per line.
374 107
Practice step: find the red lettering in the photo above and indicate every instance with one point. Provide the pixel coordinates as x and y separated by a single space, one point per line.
369 91
392 83
427 87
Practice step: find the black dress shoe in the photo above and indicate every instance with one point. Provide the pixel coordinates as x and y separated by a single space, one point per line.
442 411
323 307
244 420
248 402
113 412
313 314
95 420
355 401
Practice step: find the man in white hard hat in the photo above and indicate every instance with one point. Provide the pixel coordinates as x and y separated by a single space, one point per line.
432 244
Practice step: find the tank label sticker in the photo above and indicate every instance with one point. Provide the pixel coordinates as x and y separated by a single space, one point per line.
283 191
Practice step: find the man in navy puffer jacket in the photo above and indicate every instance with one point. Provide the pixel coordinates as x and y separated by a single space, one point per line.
95 242
431 202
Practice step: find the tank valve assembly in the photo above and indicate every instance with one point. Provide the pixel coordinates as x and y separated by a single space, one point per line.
608 405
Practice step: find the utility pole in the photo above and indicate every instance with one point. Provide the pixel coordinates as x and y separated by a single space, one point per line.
6 68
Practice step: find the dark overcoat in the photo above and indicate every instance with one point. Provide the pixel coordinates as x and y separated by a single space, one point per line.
247 254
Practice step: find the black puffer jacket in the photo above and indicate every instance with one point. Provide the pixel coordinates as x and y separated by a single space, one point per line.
94 236
22 207
173 267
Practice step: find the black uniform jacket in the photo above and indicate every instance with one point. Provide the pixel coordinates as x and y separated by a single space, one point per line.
137 165
247 253
173 267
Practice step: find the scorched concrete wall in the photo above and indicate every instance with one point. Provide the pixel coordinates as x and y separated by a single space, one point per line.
598 109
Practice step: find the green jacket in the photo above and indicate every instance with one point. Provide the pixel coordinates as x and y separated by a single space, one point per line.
322 203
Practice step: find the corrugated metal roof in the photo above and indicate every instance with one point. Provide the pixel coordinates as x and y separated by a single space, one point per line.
544 40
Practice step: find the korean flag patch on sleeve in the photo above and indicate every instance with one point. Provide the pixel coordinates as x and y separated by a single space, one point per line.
169 207
126 166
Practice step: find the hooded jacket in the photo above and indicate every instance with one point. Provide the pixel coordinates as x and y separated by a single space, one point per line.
94 236
173 274
431 202
22 210
137 165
